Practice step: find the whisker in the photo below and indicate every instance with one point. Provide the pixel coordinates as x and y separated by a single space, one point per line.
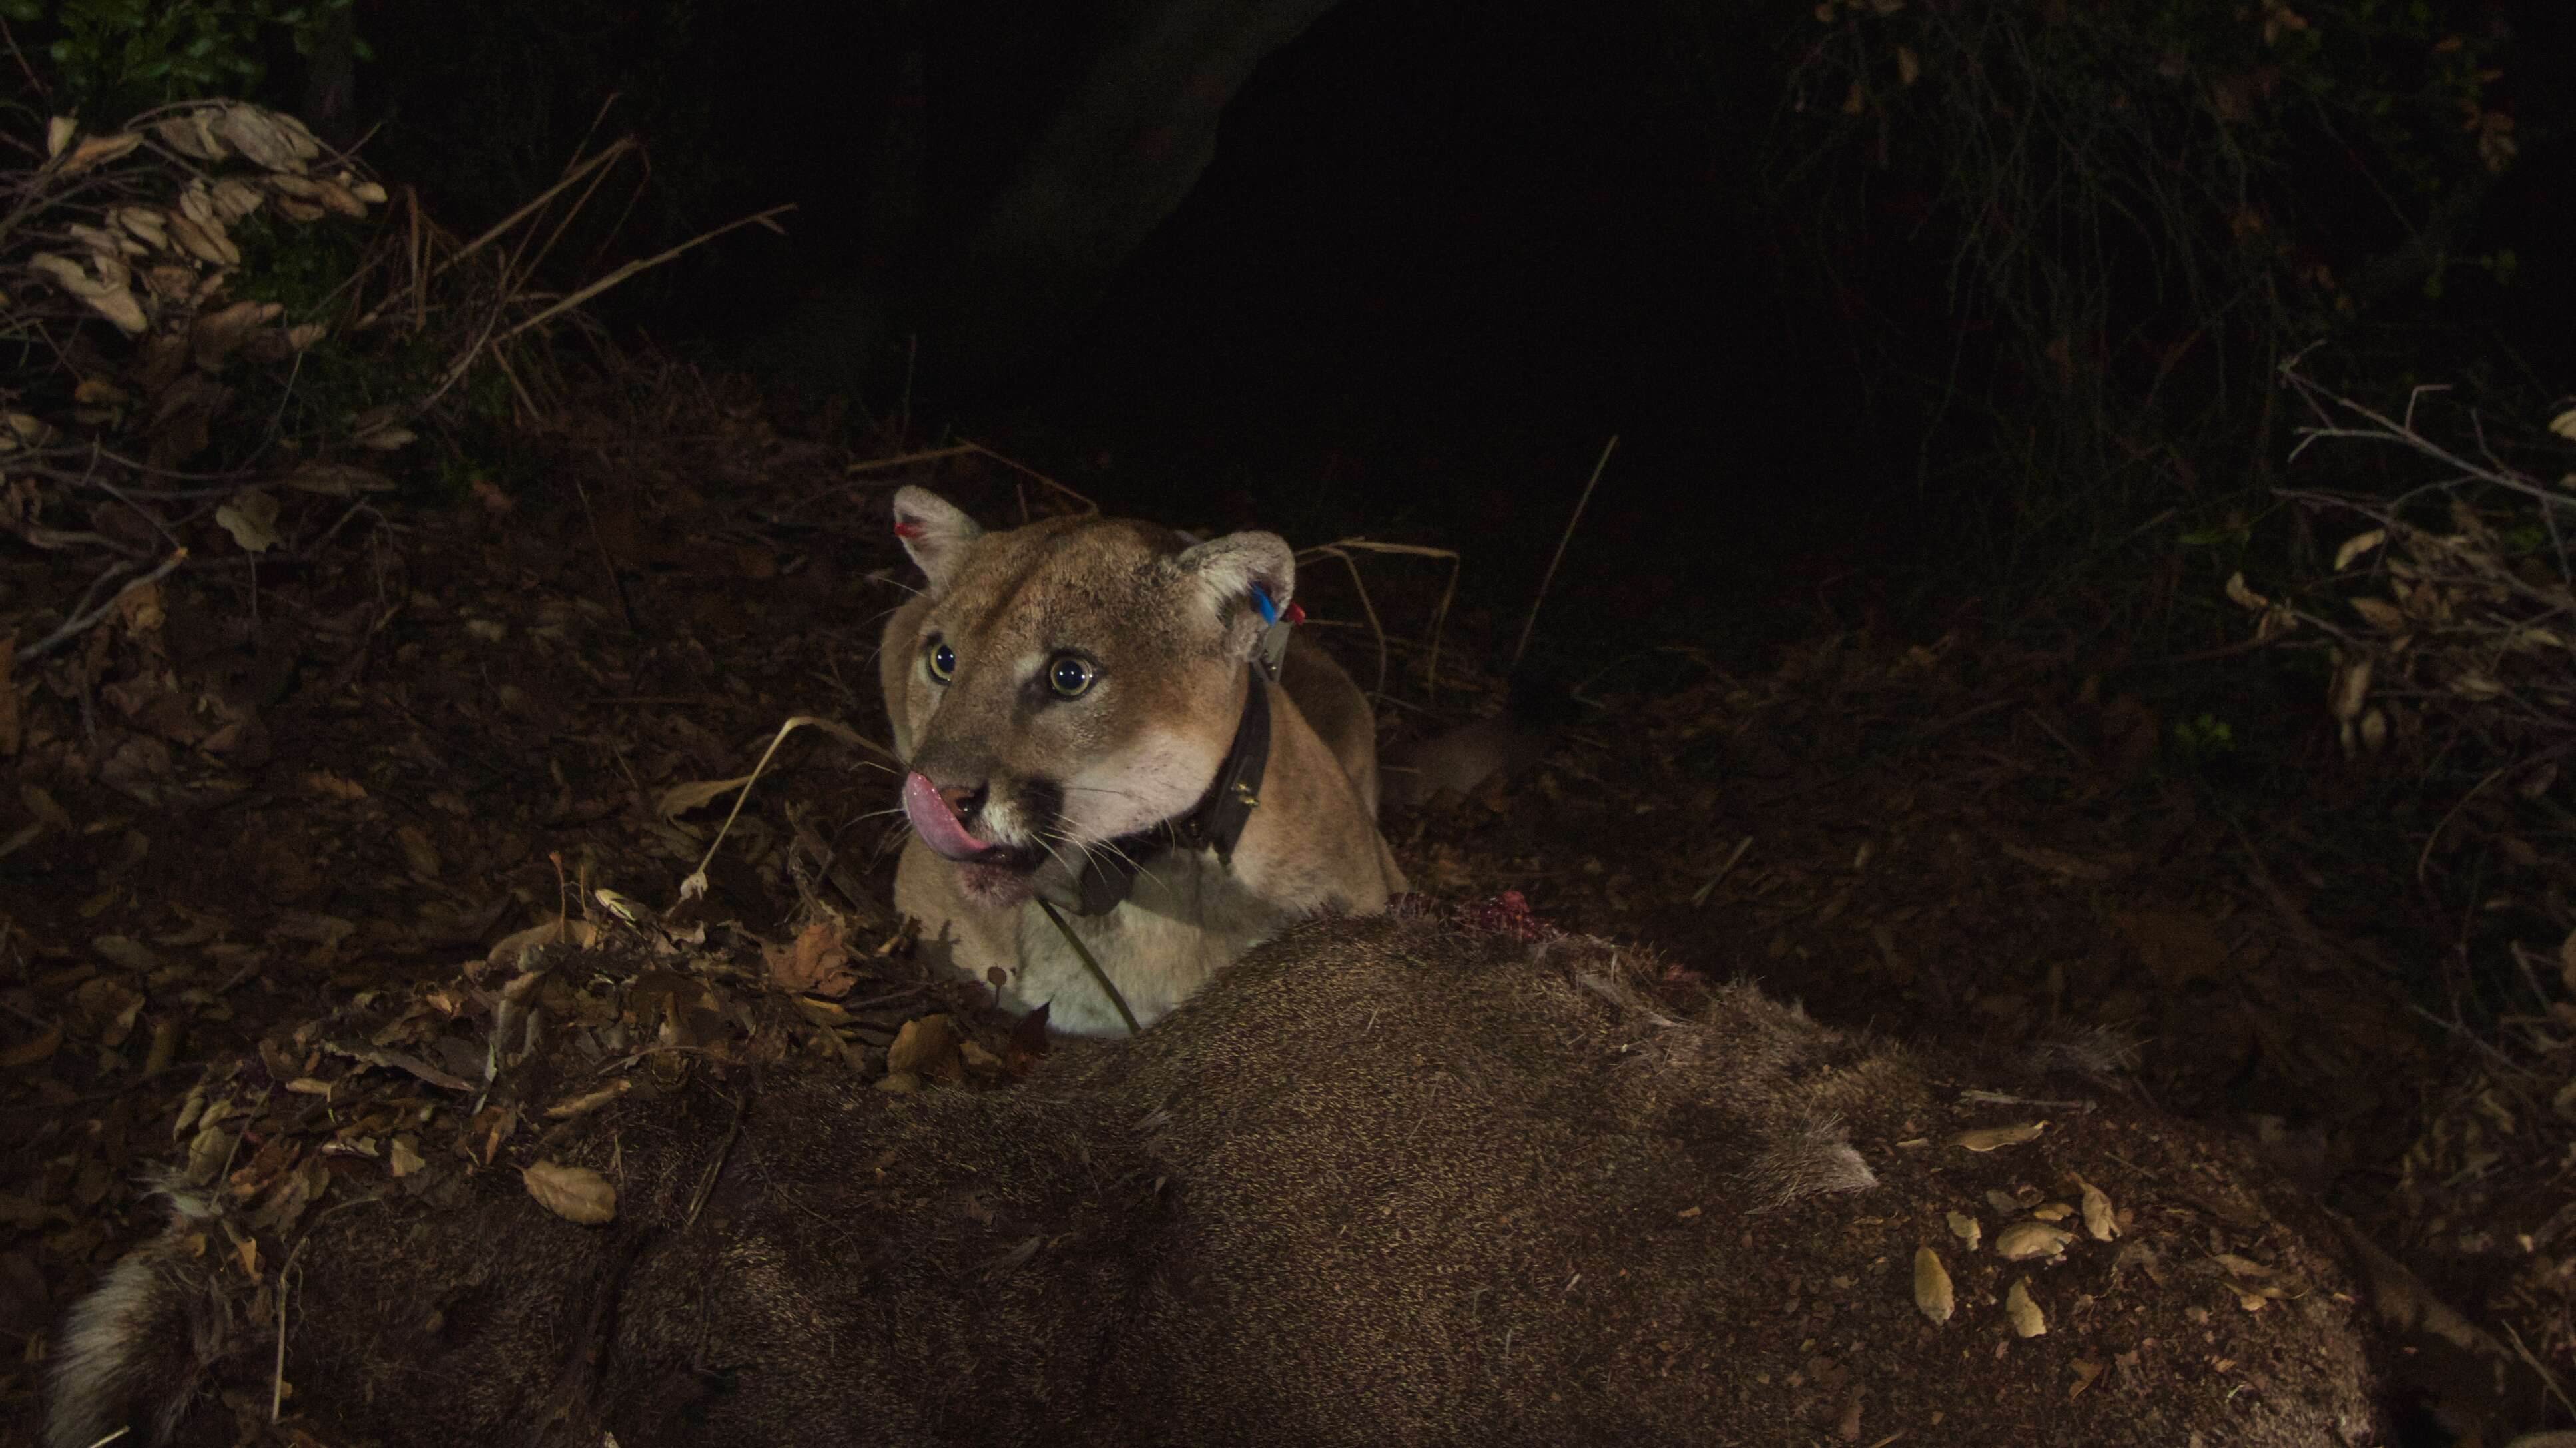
1112 847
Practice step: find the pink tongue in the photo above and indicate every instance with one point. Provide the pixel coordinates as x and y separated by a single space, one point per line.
937 823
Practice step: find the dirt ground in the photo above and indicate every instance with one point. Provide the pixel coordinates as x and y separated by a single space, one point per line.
269 796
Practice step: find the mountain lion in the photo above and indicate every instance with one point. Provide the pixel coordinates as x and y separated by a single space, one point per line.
1110 717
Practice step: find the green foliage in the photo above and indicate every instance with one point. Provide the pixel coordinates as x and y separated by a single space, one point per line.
300 267
2202 742
112 58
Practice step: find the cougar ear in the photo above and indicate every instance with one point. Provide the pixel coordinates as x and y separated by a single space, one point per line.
935 532
1227 570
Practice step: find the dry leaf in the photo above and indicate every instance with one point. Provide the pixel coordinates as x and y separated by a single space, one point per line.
590 1101
133 955
203 239
1967 1229
333 786
60 130
191 133
1988 1138
2356 545
420 857
679 799
2099 1221
263 138
99 150
574 1193
921 1045
2564 424
2242 1266
251 519
233 198
2351 688
2024 1240
215 336
1932 1285
816 962
2086 1370
106 293
2024 1313
35 1052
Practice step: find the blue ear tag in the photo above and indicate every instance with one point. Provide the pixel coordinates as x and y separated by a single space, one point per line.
1274 640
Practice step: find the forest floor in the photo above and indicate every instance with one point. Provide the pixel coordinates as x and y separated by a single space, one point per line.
237 813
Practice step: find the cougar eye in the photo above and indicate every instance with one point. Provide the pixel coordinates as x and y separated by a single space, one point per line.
1070 677
943 663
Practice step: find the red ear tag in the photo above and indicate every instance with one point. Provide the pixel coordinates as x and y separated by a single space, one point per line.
1296 614
906 528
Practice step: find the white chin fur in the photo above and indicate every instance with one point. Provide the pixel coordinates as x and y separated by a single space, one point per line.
1154 779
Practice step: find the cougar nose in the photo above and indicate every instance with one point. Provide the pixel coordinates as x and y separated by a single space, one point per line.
941 815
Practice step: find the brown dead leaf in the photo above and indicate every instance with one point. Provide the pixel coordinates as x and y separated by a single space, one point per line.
1932 1286
816 962
216 336
332 786
99 150
2086 1370
420 857
2024 1240
1989 1138
35 1052
2024 1314
679 799
574 1193
2099 1220
2356 545
191 133
107 293
107 1010
923 1047
265 137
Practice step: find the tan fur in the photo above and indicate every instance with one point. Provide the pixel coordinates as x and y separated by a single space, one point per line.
1382 1182
1172 628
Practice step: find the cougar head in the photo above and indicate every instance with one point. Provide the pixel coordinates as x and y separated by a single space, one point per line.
1068 682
